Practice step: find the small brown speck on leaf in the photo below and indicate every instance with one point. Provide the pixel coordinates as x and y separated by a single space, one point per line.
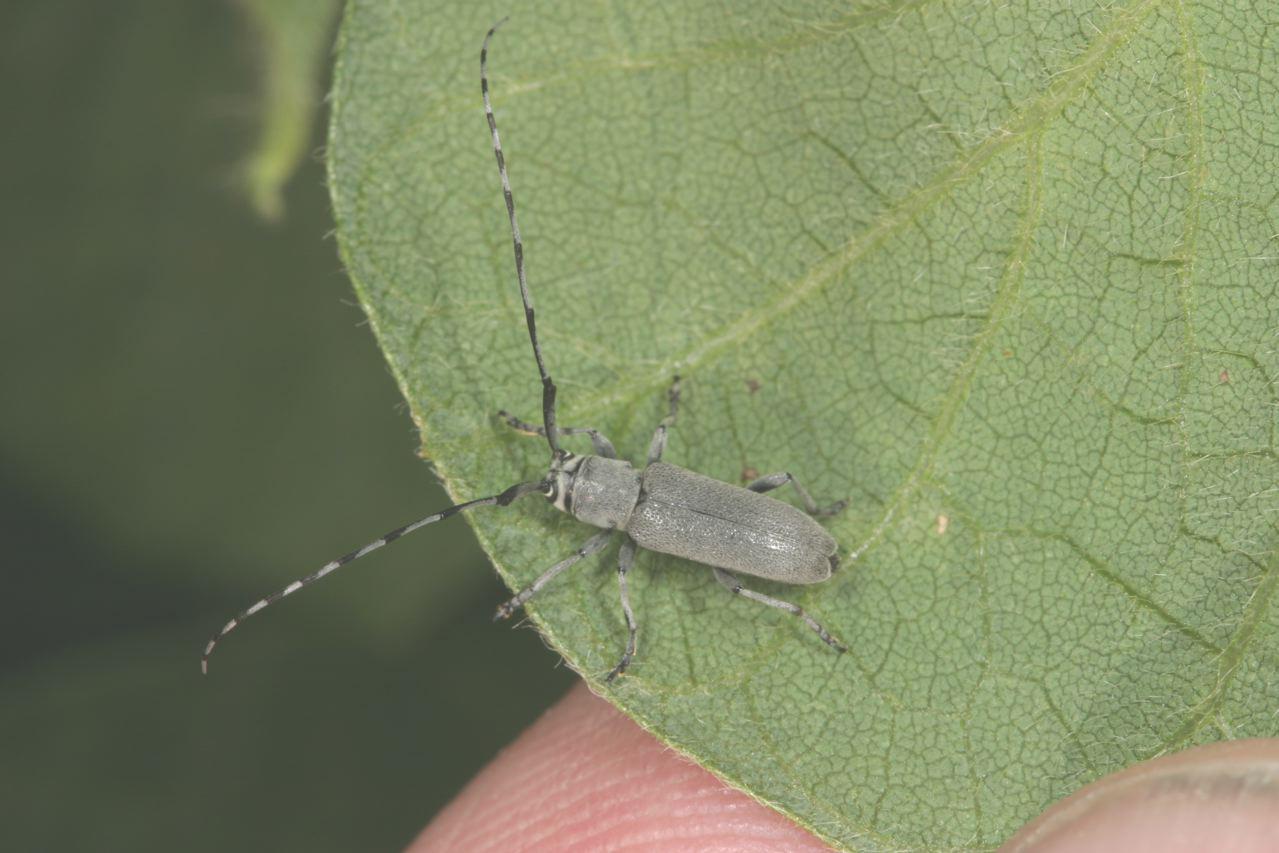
1224 377
752 385
749 474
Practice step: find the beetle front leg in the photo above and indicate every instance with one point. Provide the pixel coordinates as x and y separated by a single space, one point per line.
601 445
773 481
625 559
730 581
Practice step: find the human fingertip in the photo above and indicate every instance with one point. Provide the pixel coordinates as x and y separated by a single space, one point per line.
586 777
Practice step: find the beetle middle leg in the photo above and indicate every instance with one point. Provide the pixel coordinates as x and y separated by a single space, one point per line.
625 559
658 445
773 481
601 445
595 543
730 581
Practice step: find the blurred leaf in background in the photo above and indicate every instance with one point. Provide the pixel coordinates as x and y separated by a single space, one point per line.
1006 278
293 37
194 416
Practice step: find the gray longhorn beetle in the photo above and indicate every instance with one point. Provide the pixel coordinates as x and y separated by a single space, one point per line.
662 507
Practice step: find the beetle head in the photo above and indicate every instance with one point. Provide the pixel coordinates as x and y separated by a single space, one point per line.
559 480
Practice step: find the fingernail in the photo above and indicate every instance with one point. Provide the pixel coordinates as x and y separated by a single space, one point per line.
1223 796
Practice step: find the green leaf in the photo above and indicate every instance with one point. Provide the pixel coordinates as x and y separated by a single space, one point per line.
292 36
1003 278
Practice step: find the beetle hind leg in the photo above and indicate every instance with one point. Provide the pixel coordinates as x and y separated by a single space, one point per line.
730 581
773 481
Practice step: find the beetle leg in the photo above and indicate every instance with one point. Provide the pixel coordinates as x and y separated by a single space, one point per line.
595 543
658 445
601 445
773 481
625 559
729 580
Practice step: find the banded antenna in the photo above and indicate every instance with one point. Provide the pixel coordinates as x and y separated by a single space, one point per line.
519 490
548 386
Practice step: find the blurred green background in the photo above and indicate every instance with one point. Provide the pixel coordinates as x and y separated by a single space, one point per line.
193 416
